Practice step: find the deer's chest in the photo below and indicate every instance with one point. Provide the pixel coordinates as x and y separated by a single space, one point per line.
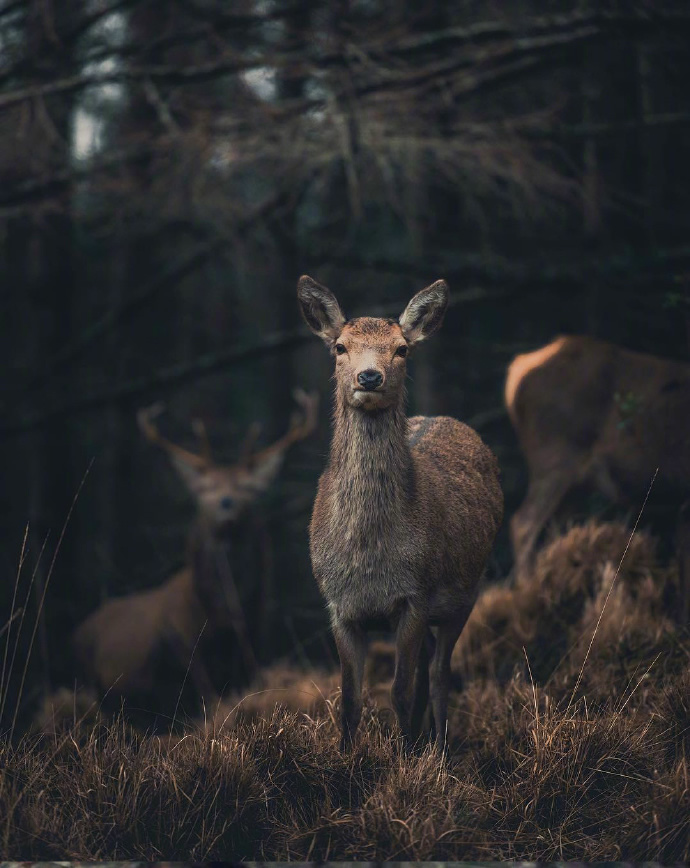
365 561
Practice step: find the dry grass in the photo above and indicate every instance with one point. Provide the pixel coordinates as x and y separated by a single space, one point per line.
277 687
550 615
543 767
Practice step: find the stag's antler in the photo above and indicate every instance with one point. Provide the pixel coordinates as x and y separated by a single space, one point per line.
189 464
249 442
309 402
145 419
262 466
301 425
265 464
199 428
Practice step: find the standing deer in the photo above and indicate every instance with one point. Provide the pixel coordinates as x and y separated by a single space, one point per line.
405 514
587 412
118 645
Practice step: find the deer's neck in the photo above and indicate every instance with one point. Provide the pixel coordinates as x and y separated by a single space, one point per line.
370 464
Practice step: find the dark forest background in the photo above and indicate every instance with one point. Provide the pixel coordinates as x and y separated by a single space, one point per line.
168 170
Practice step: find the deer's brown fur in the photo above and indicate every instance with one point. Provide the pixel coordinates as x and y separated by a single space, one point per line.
118 645
406 510
588 412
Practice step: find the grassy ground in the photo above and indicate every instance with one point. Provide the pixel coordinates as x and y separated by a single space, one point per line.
570 741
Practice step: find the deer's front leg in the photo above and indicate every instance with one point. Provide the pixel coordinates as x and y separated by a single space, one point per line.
409 636
351 642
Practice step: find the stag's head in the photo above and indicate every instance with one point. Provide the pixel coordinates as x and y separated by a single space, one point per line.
371 352
223 493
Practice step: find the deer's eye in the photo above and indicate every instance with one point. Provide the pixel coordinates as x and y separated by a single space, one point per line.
340 349
401 351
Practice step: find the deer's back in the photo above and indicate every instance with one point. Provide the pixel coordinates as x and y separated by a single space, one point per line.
460 496
602 408
117 642
455 453
648 423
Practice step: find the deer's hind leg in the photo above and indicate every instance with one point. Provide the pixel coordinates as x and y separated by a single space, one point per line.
446 638
545 492
351 642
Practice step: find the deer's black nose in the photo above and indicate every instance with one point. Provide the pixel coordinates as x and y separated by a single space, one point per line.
369 379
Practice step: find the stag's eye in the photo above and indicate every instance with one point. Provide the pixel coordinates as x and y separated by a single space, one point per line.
340 349
227 503
401 351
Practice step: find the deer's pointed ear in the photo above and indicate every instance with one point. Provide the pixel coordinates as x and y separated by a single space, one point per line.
194 478
424 314
320 309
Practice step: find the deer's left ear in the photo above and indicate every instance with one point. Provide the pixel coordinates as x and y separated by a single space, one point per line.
424 314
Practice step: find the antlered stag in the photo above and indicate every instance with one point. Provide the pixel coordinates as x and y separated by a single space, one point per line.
588 412
118 645
406 510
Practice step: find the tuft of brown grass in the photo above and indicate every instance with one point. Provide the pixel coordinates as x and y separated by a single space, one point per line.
116 793
547 612
285 687
65 710
573 753
527 779
278 686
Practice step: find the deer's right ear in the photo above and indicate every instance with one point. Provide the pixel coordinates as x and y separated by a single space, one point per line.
320 309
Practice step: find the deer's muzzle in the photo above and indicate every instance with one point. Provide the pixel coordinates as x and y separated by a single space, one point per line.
369 379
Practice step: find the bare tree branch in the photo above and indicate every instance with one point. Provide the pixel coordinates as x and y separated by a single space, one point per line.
482 31
202 366
551 32
146 295
41 187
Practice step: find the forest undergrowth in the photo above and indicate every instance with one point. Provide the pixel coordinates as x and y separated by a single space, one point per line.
569 741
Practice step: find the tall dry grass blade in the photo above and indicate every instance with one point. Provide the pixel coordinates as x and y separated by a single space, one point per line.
39 586
534 689
617 712
25 609
41 768
613 582
8 625
43 595
184 680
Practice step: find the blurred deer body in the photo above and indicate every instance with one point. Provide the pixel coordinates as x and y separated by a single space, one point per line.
589 412
406 511
119 644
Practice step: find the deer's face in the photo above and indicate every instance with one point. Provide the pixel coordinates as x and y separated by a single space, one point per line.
371 353
222 494
370 362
